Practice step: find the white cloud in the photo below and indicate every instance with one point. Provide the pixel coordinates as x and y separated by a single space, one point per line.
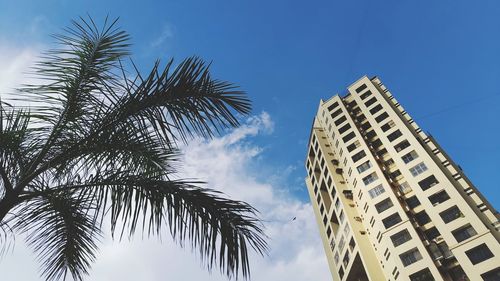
229 163
167 32
15 64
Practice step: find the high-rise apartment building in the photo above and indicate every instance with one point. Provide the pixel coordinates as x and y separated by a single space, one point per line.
389 202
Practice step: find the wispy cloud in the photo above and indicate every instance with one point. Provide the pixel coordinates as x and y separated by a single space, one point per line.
167 32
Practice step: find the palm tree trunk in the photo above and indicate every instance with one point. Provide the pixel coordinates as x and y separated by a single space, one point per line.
8 203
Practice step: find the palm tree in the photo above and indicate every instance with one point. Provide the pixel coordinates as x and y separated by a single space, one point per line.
99 142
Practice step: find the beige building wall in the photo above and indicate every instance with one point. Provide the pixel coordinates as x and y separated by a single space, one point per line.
389 202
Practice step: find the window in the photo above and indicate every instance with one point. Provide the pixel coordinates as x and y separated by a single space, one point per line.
391 220
333 106
464 233
341 244
365 95
382 152
402 145
422 275
361 88
336 113
387 126
432 233
405 187
383 205
451 214
340 120
370 178
353 146
376 191
394 135
439 197
348 137
370 102
400 237
410 257
418 169
410 156
344 128
376 143
345 261
381 117
422 218
492 275
365 126
346 230
479 254
337 204
371 134
396 174
376 109
428 182
412 202
341 217
365 166
356 157
336 258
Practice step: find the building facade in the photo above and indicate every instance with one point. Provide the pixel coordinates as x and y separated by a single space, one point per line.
389 202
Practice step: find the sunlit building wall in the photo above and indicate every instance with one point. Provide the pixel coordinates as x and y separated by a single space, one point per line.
389 202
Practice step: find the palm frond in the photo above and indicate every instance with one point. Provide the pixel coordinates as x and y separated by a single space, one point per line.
184 101
97 142
62 233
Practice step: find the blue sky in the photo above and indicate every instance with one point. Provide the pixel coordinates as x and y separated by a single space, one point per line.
439 58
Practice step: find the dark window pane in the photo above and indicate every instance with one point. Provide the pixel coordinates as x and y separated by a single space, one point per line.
400 237
432 233
333 106
383 205
391 220
365 126
410 257
387 126
412 202
370 102
340 120
344 128
394 135
402 145
361 88
376 109
381 117
451 214
353 146
358 156
422 218
428 182
422 275
479 254
348 137
439 197
464 233
336 113
365 95
493 275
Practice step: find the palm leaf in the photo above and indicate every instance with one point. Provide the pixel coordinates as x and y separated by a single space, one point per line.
97 141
